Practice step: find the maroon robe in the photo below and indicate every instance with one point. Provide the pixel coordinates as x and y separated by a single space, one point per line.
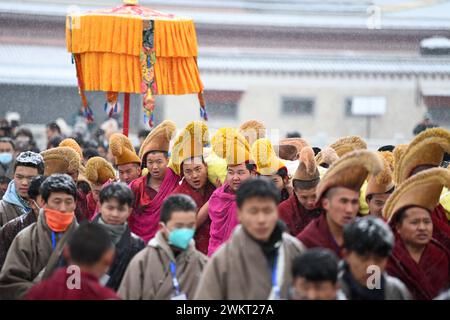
55 288
91 206
202 233
81 210
317 234
294 215
426 279
441 228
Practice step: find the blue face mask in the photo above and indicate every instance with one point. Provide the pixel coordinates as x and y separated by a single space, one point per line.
180 238
5 157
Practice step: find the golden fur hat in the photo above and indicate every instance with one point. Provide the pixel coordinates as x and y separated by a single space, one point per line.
230 145
383 181
122 149
326 156
252 130
71 143
159 138
267 162
189 144
421 190
307 169
427 148
98 170
60 160
350 171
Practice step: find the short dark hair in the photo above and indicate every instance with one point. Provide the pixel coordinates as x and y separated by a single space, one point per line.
30 159
35 185
84 186
318 264
369 236
58 183
305 185
257 187
143 133
8 140
176 202
388 147
144 158
316 150
370 196
400 215
88 243
282 172
118 191
55 141
90 153
54 126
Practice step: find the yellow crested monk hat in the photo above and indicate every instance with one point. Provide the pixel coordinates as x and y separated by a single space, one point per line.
267 162
158 139
342 146
98 171
383 181
71 143
189 144
122 150
427 149
307 173
421 190
60 160
350 171
252 130
230 145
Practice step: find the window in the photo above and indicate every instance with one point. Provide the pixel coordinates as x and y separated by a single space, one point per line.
222 104
366 106
297 106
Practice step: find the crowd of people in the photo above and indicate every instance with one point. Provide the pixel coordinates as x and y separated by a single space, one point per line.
231 216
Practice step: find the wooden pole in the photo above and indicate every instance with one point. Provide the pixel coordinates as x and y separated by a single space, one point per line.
126 113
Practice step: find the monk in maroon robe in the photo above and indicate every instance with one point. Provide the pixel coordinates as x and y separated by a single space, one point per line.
295 215
196 185
419 260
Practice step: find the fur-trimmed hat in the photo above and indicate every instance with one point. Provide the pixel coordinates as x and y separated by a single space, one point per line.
252 130
159 138
71 143
383 181
307 171
421 190
98 170
189 144
427 148
289 148
326 156
230 145
60 160
350 171
122 149
267 162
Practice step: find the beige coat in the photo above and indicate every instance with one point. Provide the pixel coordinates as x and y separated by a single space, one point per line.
148 275
31 258
239 269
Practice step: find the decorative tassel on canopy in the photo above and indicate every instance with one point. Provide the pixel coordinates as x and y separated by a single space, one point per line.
133 49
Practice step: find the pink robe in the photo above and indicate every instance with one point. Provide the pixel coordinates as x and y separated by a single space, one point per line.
223 214
144 219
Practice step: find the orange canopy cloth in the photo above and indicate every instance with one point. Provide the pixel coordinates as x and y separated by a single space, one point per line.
109 42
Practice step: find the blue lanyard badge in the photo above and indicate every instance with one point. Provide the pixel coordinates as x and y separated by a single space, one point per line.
173 271
53 240
178 294
275 286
